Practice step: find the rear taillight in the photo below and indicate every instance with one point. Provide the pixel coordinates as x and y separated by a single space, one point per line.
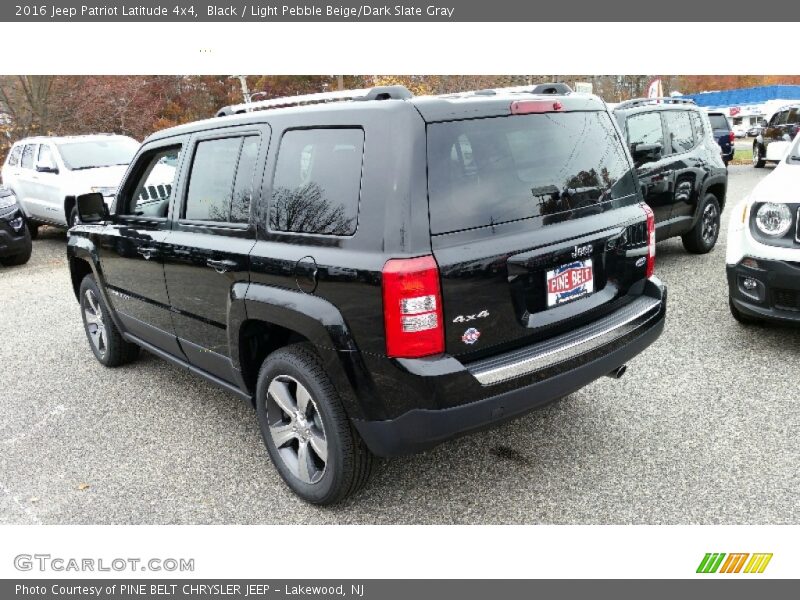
651 240
732 137
412 307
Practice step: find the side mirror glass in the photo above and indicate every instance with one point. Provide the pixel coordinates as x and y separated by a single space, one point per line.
92 208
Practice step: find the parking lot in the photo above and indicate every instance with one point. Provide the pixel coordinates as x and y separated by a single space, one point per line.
703 429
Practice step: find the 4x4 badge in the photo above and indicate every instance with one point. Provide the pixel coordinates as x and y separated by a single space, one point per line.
464 318
470 336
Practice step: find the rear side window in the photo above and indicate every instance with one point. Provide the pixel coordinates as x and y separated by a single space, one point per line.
718 121
317 181
489 171
220 184
14 156
645 128
27 156
679 131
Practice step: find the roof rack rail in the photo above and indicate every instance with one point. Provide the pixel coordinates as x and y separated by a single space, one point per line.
645 101
539 88
383 92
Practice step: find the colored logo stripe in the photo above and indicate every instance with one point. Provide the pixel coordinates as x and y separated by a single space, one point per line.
733 564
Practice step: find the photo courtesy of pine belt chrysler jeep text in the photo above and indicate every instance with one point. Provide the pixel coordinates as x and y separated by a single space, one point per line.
379 273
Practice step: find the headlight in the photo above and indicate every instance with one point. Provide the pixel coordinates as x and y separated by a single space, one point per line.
8 201
773 219
106 191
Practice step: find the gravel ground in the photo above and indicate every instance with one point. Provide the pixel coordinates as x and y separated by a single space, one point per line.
702 430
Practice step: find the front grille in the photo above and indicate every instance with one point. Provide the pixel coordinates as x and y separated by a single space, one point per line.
786 299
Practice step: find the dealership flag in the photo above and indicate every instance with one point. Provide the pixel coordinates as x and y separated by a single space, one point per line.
655 89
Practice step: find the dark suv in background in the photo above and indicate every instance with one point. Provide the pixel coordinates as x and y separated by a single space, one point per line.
679 167
15 239
379 273
783 126
723 134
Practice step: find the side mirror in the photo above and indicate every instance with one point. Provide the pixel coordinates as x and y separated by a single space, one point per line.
645 153
92 208
47 168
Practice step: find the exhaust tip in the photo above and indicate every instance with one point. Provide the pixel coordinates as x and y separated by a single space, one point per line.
618 372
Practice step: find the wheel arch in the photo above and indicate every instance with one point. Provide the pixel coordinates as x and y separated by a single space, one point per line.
270 318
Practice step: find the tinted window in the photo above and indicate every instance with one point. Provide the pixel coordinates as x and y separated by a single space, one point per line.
243 186
211 182
490 171
13 157
27 156
317 181
645 128
718 121
153 189
780 118
697 124
679 131
794 116
98 153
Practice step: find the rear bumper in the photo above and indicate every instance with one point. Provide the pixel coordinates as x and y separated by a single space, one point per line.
520 381
776 295
13 241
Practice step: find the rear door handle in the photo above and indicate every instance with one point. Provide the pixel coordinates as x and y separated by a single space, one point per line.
221 266
146 251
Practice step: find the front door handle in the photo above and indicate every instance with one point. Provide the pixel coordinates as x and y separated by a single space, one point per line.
221 266
146 251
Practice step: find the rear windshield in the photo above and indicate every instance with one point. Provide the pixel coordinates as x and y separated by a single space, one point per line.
490 171
99 153
718 121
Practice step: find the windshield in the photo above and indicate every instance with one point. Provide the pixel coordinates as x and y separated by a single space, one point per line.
489 171
98 153
718 121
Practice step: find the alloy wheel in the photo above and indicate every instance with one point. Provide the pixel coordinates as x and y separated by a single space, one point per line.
710 225
93 315
295 425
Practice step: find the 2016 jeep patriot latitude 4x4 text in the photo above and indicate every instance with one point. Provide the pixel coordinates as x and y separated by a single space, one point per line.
377 275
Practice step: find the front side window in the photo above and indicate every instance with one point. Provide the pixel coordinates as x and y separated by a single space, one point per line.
27 156
645 129
697 125
152 191
679 131
317 181
793 117
45 156
14 156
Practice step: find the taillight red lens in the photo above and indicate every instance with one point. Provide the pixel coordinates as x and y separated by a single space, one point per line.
732 136
651 240
412 307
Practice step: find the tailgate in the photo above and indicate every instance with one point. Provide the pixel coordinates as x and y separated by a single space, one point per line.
536 227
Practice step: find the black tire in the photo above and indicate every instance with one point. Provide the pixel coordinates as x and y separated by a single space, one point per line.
348 463
703 236
758 157
740 316
113 351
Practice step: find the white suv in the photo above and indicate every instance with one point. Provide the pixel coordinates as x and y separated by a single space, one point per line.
48 173
763 258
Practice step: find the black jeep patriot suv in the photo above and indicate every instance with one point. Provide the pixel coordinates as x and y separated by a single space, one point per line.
681 171
377 275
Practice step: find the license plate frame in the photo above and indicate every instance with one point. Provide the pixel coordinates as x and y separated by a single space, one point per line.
569 282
